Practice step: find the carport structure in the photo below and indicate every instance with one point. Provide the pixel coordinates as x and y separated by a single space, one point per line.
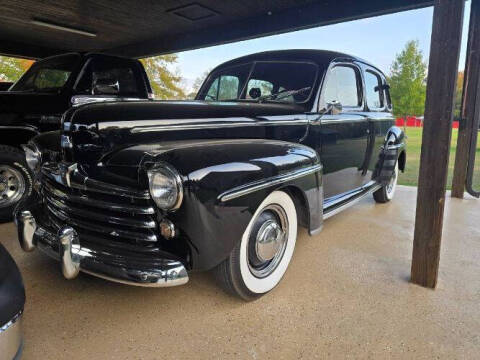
34 29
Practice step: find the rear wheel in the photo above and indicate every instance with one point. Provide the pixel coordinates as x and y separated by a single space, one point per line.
15 180
259 261
387 192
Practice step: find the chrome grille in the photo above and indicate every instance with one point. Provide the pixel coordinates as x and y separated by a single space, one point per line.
126 222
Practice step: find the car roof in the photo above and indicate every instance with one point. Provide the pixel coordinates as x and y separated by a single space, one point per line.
321 57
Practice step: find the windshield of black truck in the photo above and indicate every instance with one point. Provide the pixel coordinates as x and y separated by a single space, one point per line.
267 81
47 76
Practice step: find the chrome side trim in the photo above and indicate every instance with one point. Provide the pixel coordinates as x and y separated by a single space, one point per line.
265 183
79 100
140 126
369 188
11 338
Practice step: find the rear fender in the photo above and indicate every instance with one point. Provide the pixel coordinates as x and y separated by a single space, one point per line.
393 151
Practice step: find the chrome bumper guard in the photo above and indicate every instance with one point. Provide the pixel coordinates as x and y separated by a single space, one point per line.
65 247
11 338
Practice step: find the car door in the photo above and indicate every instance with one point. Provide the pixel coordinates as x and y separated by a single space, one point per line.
378 112
344 135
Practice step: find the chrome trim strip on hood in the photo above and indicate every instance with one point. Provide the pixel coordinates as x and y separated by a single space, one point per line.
139 126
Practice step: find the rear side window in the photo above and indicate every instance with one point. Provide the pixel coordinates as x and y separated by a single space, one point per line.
373 90
125 72
51 79
343 86
226 85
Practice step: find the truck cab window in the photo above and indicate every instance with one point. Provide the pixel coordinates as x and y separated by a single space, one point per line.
48 75
123 72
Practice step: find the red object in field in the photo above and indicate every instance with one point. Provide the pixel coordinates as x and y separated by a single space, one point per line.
413 121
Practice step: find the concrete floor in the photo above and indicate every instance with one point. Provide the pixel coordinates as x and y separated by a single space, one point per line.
346 295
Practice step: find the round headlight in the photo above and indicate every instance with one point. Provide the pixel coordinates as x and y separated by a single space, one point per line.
33 157
165 187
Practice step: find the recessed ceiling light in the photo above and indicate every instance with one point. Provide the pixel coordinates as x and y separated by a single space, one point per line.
52 25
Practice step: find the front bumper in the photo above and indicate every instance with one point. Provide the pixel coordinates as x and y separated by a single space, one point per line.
65 246
11 338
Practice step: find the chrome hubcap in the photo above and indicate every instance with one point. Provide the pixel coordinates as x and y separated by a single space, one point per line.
12 185
267 241
270 238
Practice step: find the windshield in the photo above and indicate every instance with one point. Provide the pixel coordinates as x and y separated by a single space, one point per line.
47 76
261 83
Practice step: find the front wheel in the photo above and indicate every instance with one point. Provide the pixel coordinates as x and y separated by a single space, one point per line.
15 180
259 261
387 192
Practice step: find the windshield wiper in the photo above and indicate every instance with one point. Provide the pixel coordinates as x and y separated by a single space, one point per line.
282 94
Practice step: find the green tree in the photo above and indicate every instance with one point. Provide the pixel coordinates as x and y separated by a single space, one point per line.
197 84
12 68
407 81
166 83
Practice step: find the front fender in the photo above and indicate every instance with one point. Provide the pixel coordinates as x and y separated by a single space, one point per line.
226 180
15 135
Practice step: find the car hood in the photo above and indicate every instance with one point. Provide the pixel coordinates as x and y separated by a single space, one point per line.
15 104
123 113
98 130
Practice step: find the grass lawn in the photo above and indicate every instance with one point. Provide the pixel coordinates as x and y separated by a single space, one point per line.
414 144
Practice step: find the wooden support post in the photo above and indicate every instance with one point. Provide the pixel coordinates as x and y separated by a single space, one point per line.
472 75
437 131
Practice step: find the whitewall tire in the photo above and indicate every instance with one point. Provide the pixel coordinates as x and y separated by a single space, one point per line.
258 262
387 192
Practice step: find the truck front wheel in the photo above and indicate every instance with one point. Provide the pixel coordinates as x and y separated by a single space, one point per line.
15 180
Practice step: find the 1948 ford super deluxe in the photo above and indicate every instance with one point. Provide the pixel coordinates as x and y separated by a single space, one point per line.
144 192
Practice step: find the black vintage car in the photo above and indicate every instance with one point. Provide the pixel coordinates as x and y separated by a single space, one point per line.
36 102
144 192
12 301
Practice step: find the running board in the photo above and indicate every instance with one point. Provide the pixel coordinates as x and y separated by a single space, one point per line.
339 204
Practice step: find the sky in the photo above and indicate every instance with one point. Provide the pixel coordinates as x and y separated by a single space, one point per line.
376 39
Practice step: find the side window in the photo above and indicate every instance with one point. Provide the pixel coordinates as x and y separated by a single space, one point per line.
228 87
373 90
343 86
51 79
225 87
225 84
123 72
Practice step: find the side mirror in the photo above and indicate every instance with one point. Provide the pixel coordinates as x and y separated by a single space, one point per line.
333 108
106 87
